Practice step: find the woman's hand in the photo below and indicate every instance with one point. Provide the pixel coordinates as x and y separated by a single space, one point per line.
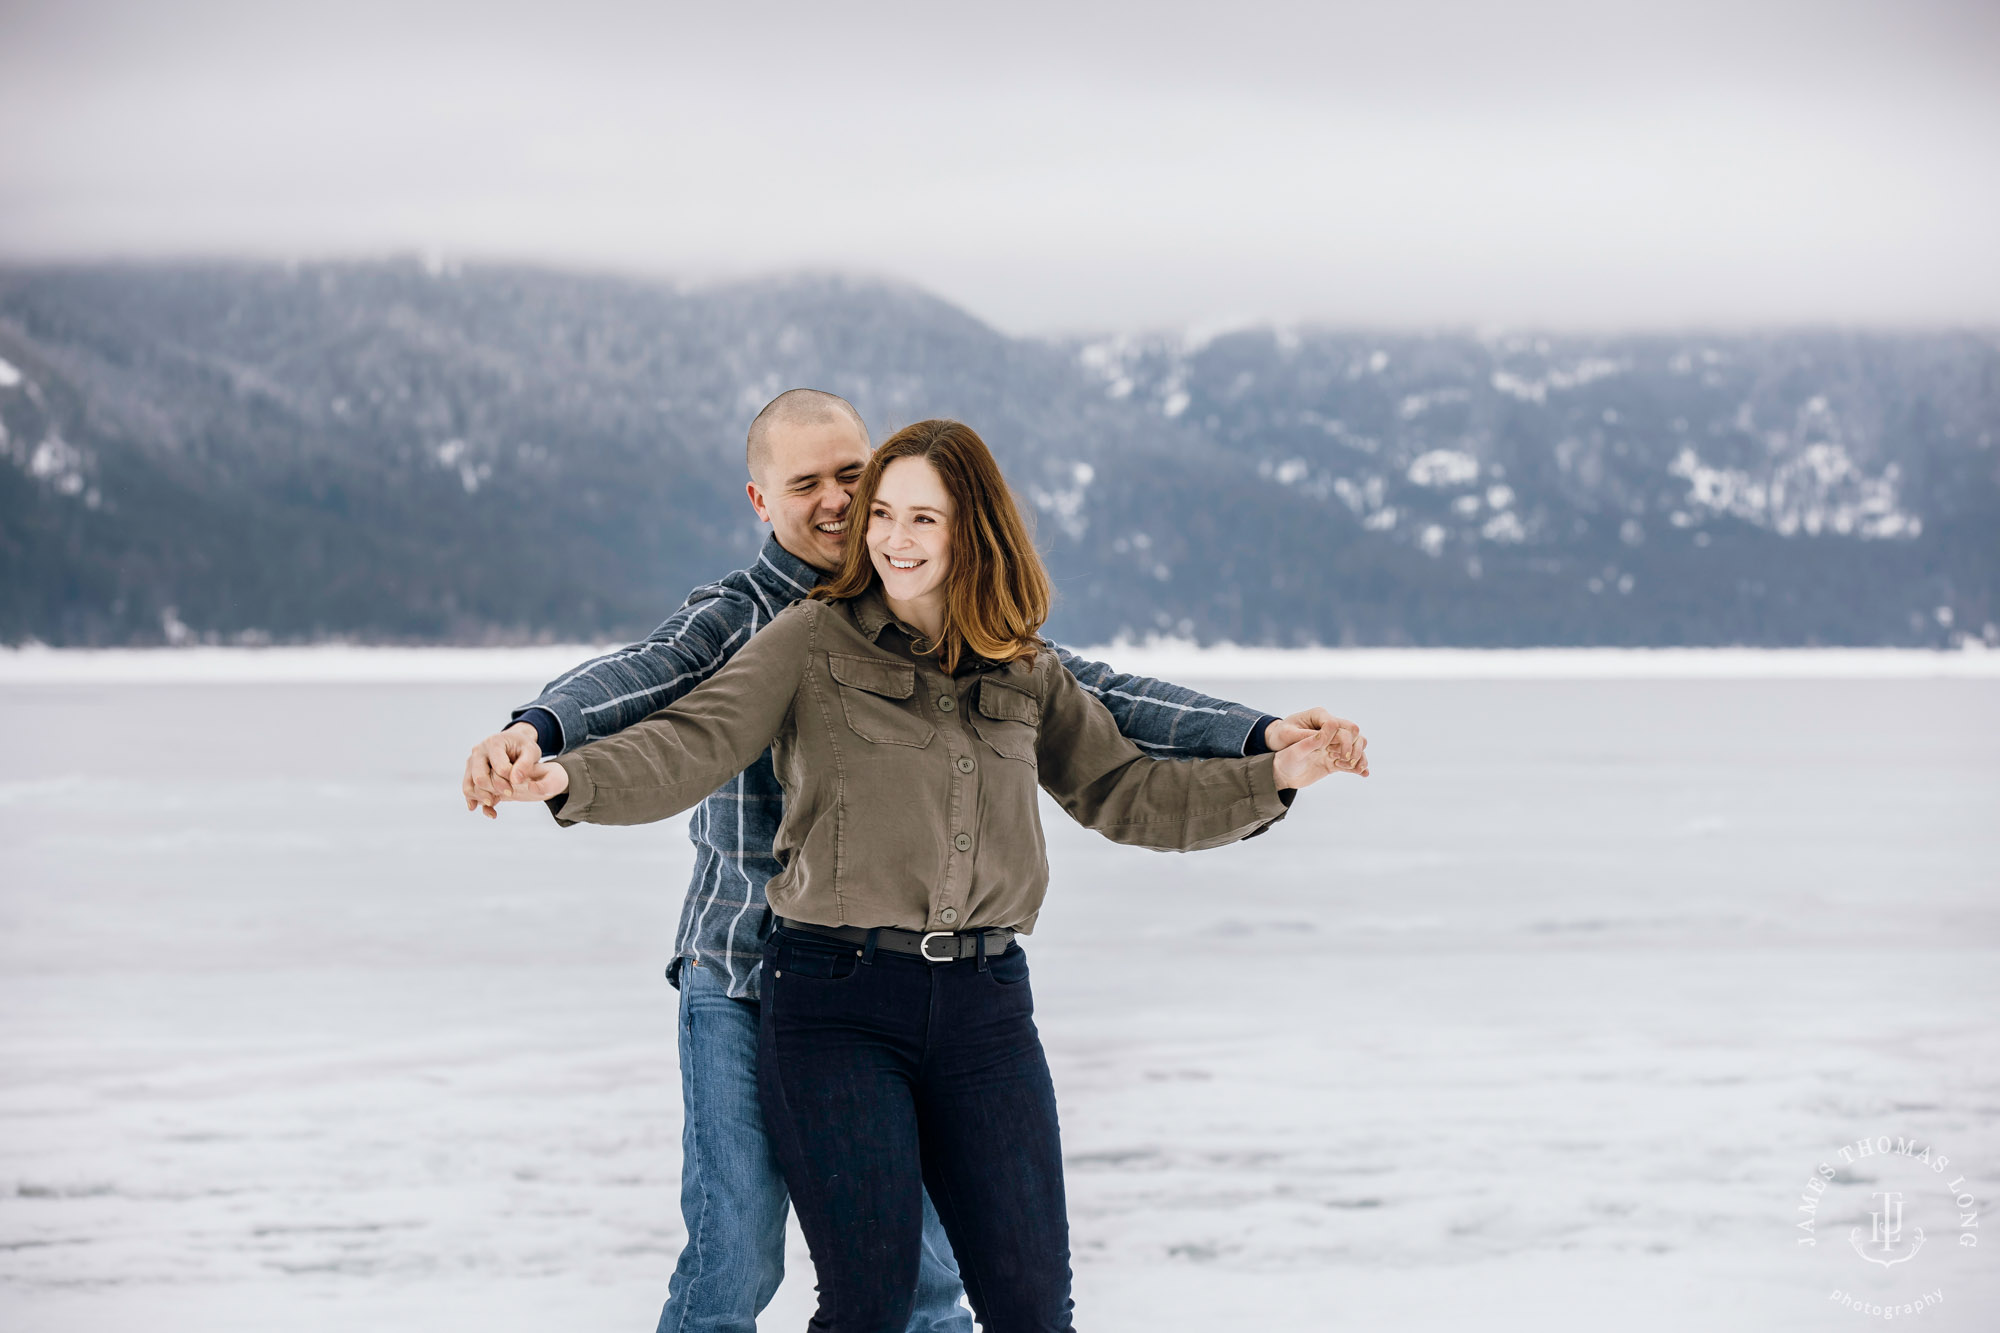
1297 726
1334 747
535 781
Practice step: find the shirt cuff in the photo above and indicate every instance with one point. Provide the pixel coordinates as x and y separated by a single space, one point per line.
548 729
572 806
1254 743
1272 801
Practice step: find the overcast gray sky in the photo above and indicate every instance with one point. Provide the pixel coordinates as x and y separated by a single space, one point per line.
1056 166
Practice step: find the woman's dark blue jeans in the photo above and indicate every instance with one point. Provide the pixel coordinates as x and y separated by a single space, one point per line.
883 1075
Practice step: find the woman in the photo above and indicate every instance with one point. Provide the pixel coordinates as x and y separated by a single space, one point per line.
911 712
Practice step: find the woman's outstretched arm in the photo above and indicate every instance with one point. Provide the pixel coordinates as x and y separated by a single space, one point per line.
670 761
1107 784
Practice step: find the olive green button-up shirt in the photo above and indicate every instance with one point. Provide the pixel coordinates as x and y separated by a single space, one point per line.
909 793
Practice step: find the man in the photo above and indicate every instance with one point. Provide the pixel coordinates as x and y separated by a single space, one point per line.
806 451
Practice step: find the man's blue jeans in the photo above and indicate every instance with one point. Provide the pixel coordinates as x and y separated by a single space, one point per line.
732 1195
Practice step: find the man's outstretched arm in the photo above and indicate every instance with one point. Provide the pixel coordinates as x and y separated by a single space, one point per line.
1171 721
608 694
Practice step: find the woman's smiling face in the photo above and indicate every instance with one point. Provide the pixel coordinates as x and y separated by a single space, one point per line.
909 531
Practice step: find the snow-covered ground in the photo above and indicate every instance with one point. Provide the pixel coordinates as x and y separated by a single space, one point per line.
1545 1025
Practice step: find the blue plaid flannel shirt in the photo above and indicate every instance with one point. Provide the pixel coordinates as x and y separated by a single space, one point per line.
725 918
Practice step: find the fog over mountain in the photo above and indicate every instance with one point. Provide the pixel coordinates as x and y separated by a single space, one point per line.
390 451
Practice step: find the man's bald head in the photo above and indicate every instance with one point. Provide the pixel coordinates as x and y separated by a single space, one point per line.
797 407
807 452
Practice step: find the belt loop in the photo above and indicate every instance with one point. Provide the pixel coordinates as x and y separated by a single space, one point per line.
979 950
868 951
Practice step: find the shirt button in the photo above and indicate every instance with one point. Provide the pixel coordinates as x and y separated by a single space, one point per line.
963 842
946 703
965 763
948 915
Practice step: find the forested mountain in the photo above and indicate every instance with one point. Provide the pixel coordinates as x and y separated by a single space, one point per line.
390 451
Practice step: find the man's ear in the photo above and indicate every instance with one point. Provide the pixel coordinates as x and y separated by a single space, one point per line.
757 502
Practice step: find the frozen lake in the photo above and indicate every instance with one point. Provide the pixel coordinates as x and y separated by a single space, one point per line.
1544 1026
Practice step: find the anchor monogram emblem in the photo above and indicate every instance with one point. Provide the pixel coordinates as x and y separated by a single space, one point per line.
1886 1232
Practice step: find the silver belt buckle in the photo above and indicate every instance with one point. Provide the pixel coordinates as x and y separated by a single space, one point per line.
924 947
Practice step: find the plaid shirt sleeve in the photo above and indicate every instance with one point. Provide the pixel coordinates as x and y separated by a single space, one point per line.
1168 721
610 693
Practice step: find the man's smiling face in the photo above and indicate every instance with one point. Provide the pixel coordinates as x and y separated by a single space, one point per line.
809 472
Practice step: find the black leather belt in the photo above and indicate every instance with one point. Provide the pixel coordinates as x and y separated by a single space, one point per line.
933 946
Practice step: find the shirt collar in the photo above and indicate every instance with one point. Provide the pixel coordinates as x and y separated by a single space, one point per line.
784 572
872 615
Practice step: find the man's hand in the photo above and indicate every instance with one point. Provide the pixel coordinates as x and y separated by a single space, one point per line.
1346 743
496 763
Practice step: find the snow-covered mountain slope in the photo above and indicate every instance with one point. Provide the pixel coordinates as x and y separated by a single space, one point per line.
390 451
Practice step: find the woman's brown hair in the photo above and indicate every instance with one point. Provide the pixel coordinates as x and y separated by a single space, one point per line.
996 593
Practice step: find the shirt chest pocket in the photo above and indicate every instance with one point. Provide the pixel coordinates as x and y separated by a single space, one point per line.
875 699
1008 719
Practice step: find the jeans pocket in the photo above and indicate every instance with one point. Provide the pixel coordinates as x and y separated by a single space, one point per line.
832 961
1009 968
